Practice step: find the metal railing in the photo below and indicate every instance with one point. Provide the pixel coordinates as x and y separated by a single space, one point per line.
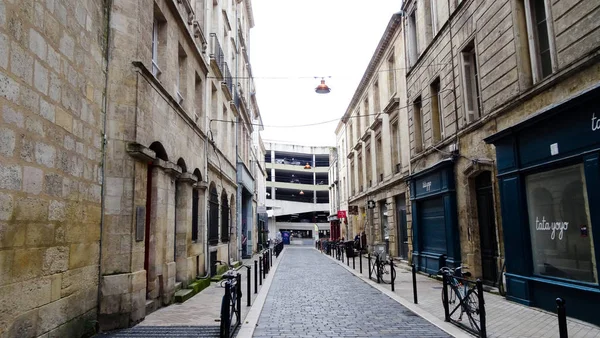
462 297
219 57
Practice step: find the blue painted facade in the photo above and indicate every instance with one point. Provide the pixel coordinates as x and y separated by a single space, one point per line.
563 135
434 223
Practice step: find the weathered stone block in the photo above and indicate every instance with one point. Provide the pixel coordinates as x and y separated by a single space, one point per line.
64 119
40 234
28 264
67 45
9 88
37 44
21 63
47 110
34 126
40 78
56 260
11 116
76 280
25 325
11 235
6 207
56 211
53 184
83 254
55 87
32 180
31 209
56 282
4 50
115 284
52 315
45 154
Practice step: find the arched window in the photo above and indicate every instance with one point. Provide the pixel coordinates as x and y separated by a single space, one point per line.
224 218
213 217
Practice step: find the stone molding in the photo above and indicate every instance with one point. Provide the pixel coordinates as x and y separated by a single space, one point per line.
169 168
140 152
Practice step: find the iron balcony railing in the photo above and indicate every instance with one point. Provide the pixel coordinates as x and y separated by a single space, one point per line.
219 57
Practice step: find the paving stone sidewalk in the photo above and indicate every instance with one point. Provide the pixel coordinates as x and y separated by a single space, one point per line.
312 296
505 319
196 317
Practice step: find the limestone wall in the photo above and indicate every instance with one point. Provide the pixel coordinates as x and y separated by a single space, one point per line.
51 82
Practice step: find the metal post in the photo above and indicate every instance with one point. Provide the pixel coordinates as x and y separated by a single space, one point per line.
239 298
445 300
482 329
347 260
369 266
354 262
260 270
414 280
248 285
225 314
271 257
378 270
265 266
255 276
562 318
360 262
392 272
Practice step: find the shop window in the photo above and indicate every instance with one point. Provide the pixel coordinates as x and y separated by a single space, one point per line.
560 227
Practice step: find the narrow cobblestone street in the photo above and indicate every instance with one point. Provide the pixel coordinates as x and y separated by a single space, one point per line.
312 296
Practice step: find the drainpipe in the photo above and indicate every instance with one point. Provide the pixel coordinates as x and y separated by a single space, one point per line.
108 9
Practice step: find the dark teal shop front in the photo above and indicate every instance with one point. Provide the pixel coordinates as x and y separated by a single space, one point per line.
434 227
549 178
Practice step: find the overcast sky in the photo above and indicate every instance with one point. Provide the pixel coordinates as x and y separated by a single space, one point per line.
294 41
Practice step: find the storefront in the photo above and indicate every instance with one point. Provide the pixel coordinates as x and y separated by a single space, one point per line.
549 178
435 230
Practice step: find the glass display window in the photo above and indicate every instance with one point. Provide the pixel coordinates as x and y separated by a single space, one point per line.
560 226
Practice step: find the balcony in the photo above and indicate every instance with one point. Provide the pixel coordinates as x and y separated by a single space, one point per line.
296 167
218 64
298 186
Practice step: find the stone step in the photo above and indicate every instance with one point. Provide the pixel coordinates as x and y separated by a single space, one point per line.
199 285
183 295
150 306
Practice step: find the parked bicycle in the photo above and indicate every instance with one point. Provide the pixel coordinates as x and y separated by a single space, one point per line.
463 296
382 268
231 302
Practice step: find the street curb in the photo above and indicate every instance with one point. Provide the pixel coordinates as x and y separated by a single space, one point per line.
442 325
251 320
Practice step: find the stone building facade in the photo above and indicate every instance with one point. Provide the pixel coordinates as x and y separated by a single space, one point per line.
124 126
475 68
377 159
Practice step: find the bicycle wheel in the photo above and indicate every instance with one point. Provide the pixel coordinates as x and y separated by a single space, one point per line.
471 308
386 275
452 297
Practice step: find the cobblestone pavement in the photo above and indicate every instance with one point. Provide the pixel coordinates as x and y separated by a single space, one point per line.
313 296
505 319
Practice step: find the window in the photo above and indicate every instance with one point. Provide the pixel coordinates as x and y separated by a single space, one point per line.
379 160
181 75
391 74
419 131
352 189
198 99
158 42
195 215
539 38
470 83
369 165
434 16
365 117
360 173
376 104
413 53
560 226
358 126
224 218
213 217
395 148
437 115
383 210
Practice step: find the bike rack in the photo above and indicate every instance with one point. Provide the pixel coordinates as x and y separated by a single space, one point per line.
464 293
231 305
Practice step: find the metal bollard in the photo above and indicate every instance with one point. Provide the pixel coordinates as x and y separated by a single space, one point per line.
392 272
369 266
482 329
378 270
260 270
562 318
414 280
248 285
347 260
238 290
271 257
360 262
354 262
445 300
255 276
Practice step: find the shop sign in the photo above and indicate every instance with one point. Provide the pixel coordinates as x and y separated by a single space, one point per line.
341 213
555 227
595 122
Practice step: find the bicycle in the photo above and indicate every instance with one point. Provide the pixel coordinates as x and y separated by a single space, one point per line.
231 303
385 275
468 298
